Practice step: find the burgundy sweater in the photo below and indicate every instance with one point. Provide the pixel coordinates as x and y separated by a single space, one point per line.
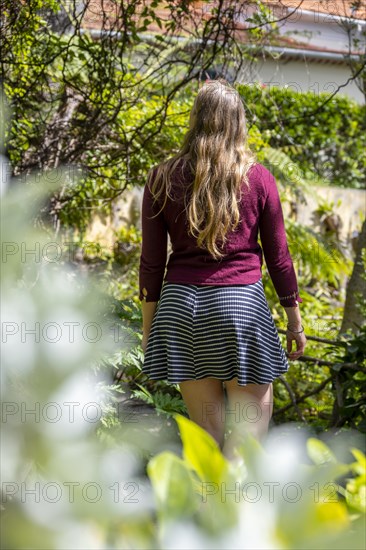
260 209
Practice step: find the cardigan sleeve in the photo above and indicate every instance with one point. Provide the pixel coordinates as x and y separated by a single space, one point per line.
153 249
275 247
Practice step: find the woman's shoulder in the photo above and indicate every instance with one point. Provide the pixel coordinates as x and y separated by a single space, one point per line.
259 172
261 178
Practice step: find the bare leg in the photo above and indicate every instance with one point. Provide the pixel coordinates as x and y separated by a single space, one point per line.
249 409
206 405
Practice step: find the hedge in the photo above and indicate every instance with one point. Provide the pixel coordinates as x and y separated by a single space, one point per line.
328 139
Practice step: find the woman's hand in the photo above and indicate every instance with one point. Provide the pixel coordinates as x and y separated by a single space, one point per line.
300 340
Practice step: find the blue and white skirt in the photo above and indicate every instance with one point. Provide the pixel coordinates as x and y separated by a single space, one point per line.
221 332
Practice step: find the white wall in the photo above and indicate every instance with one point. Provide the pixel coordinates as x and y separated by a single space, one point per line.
303 76
322 31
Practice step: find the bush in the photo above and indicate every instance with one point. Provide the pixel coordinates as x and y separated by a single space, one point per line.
326 138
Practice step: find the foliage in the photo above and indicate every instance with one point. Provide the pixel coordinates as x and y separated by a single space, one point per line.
98 106
360 300
94 106
56 333
324 139
202 494
350 385
163 402
340 400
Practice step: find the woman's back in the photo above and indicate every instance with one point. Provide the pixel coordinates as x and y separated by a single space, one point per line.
260 214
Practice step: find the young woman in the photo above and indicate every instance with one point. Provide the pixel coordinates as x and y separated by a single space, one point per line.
206 321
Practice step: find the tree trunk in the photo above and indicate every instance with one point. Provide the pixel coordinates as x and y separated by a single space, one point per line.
352 315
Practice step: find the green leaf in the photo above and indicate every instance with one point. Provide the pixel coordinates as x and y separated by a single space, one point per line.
360 464
201 451
319 452
173 486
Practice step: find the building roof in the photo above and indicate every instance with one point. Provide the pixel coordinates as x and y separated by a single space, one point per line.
102 14
340 8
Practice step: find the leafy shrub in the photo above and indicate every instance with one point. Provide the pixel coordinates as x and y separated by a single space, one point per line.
316 499
326 138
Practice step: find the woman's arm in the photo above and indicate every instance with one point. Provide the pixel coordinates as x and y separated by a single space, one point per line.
275 247
152 260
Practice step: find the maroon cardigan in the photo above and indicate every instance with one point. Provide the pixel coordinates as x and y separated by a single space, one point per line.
260 209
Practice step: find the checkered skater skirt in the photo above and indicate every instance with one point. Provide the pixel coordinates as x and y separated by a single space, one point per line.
223 332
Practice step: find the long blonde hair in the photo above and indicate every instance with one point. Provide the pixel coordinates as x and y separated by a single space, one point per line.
216 149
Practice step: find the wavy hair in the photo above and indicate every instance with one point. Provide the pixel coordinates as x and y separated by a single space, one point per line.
215 146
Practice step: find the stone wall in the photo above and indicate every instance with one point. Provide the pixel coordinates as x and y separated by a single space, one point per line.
349 208
348 213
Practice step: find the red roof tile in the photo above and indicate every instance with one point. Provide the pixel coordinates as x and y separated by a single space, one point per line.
341 8
106 14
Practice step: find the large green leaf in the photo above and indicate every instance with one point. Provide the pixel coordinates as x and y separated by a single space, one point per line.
219 490
319 452
173 486
201 451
